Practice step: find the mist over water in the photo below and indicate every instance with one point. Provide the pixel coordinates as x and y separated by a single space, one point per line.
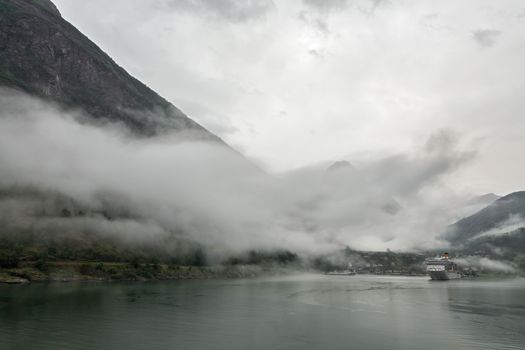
205 192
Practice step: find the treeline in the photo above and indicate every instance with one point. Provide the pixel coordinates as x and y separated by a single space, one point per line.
265 257
29 247
386 262
19 248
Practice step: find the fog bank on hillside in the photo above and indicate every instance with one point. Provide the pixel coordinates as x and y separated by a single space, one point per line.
205 192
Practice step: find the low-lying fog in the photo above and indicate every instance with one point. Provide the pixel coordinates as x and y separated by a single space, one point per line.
210 194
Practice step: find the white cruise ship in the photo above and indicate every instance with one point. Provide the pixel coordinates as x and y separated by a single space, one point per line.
442 268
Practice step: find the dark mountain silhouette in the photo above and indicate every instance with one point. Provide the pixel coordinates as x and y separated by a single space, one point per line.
492 216
341 166
44 55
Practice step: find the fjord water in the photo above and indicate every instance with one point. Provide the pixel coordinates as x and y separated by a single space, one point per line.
292 312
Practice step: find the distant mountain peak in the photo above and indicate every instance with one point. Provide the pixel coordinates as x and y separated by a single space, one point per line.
340 165
488 218
484 199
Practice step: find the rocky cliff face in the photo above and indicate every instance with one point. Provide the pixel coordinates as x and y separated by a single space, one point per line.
44 55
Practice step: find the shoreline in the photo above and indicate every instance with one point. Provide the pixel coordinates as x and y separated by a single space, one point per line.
78 271
69 271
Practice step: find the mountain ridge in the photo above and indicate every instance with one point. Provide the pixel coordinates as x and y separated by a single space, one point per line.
46 56
488 218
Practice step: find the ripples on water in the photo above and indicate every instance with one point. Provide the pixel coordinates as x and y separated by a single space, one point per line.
292 312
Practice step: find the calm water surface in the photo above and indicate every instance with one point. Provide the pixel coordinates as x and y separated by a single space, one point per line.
294 312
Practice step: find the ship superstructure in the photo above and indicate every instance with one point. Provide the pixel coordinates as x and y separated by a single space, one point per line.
442 268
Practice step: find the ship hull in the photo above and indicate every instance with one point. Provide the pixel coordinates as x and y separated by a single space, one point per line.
341 273
444 275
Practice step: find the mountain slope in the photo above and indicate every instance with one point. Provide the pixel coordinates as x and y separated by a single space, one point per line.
44 55
484 199
491 217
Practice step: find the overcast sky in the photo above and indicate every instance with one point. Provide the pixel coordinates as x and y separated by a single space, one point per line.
291 83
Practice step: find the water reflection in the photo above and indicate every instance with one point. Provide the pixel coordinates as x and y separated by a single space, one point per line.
294 312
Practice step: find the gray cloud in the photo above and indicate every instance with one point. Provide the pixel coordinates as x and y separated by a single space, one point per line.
208 194
486 264
369 84
486 37
316 22
513 223
367 7
370 7
326 5
231 10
